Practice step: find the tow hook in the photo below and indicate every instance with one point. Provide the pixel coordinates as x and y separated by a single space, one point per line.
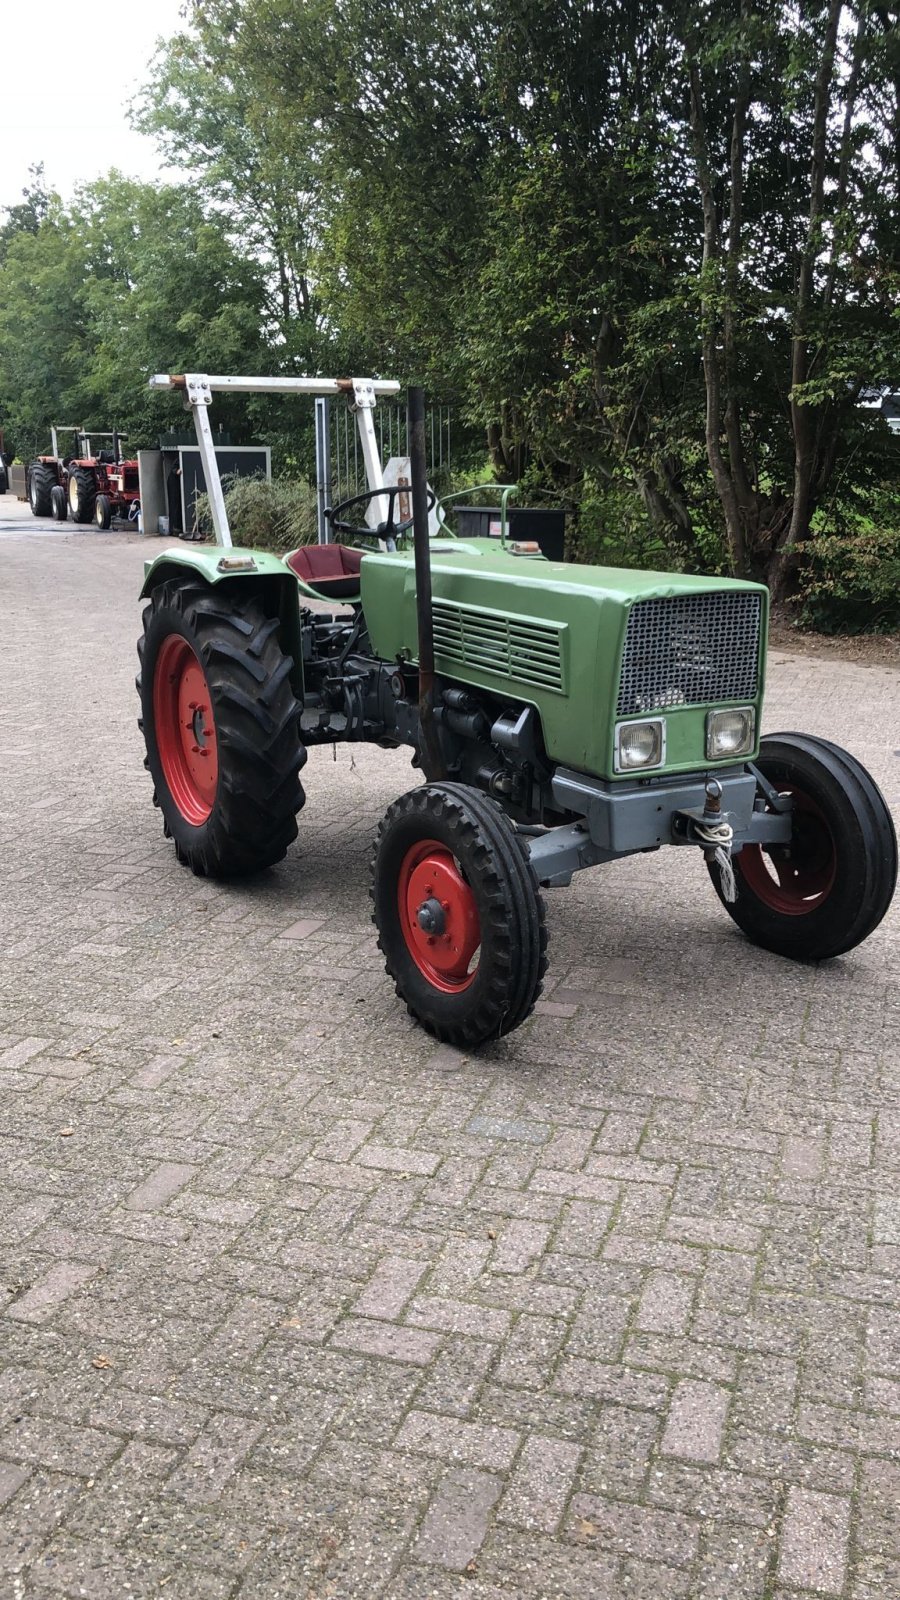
711 829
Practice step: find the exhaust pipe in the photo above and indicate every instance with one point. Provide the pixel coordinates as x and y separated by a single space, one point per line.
430 753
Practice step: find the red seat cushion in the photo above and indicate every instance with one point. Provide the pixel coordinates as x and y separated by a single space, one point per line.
333 569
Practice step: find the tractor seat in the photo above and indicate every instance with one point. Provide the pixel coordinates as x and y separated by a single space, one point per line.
328 571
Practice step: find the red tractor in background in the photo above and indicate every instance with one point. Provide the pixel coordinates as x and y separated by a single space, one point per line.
85 486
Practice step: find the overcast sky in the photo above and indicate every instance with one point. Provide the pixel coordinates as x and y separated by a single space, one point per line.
68 72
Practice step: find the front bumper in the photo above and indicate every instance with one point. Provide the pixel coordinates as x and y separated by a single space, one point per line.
623 819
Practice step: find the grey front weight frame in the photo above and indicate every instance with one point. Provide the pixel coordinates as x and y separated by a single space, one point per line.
625 819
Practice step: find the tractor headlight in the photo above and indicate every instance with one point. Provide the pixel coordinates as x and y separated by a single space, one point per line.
640 744
730 733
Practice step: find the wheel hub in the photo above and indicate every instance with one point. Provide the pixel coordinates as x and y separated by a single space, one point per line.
185 729
430 917
796 879
439 916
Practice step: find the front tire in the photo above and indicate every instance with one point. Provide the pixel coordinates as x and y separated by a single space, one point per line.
221 726
829 889
41 480
459 914
102 512
59 509
82 494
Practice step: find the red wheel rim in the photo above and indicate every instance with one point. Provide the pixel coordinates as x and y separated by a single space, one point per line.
438 916
185 729
797 882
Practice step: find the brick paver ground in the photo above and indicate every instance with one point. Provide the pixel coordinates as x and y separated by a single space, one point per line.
295 1304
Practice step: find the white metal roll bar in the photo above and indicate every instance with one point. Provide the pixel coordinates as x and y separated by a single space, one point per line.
198 389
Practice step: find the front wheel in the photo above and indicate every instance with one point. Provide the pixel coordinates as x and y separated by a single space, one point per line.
221 726
102 511
59 509
827 890
459 913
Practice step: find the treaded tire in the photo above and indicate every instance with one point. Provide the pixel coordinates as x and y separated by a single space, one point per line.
498 873
253 815
863 870
59 506
82 494
102 512
41 480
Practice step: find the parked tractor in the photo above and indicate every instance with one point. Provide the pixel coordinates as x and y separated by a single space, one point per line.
88 487
563 716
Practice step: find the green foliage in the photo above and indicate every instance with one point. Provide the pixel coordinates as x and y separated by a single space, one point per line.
276 515
127 280
850 583
653 249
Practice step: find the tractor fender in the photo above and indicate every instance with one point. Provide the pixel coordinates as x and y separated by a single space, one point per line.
267 576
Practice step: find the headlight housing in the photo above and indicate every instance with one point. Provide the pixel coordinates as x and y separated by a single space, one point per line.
730 733
640 745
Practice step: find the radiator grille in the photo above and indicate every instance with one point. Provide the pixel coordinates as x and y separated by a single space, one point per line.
689 650
513 647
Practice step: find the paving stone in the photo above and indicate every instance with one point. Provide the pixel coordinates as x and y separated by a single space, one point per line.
51 1290
665 1304
453 1440
214 1458
540 1484
456 1522
696 1421
389 1289
160 1186
384 1339
396 1160
814 1541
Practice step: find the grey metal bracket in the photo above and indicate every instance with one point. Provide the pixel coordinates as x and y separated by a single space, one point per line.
774 798
363 395
560 852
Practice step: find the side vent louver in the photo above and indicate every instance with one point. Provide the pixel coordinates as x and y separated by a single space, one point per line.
523 648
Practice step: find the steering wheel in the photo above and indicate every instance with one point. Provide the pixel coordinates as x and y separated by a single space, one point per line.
385 530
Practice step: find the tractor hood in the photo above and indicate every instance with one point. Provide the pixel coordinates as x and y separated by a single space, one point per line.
588 646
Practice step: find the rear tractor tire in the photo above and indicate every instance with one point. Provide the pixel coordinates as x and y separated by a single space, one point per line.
459 914
41 482
102 512
221 726
82 494
829 888
59 509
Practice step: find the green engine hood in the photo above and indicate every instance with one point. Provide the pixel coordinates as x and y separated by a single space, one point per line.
548 634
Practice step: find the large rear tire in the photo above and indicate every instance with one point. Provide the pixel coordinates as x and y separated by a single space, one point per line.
221 726
41 479
828 890
459 913
82 494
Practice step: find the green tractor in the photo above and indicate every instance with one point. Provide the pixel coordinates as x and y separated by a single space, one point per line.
563 716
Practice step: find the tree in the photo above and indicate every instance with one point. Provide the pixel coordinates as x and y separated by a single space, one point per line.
27 216
128 279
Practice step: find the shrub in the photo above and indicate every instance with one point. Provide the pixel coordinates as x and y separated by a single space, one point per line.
851 584
277 515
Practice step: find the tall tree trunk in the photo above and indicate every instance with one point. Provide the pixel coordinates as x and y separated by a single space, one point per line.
802 415
725 488
739 475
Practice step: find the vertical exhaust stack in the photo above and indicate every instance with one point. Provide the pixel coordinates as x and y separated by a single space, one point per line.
430 753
